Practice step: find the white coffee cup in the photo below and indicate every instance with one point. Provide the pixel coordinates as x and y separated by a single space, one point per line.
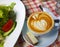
43 23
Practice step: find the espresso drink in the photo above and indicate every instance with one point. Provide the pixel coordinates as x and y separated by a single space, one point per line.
40 22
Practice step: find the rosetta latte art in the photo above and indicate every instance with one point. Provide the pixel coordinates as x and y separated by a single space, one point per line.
41 25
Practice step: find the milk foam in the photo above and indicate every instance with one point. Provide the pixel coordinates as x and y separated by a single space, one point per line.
41 25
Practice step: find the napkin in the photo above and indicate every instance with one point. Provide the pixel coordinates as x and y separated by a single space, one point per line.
33 6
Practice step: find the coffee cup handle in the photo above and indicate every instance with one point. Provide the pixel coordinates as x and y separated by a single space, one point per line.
57 22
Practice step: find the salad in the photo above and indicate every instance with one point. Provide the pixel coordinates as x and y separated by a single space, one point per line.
7 21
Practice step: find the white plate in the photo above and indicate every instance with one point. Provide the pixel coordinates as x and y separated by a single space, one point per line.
44 40
20 10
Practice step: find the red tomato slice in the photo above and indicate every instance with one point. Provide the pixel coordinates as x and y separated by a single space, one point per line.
30 46
7 26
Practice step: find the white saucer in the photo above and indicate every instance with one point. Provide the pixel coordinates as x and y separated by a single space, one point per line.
44 40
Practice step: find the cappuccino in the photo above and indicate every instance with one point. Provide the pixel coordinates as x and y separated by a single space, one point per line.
40 22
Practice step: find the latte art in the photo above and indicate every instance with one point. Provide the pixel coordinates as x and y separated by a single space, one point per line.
35 16
40 22
41 25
